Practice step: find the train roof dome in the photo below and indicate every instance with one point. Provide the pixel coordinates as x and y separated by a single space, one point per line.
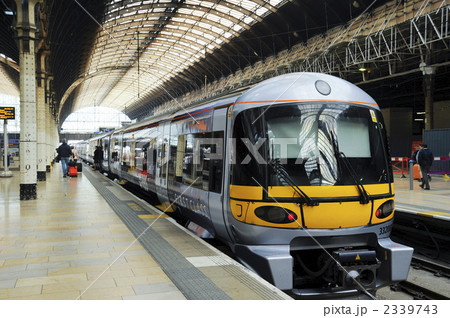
306 87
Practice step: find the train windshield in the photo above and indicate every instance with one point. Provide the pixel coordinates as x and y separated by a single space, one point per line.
315 144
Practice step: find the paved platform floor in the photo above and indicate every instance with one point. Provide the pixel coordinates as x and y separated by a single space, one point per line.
433 203
70 244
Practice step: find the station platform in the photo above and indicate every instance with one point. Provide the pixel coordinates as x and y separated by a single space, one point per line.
78 240
88 238
434 203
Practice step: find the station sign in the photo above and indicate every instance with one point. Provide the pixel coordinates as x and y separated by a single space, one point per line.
7 113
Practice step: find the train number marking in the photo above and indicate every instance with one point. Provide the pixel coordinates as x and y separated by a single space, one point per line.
385 229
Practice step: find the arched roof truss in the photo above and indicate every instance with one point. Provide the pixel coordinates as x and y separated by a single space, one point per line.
143 44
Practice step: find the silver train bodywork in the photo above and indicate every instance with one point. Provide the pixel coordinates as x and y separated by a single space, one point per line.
225 200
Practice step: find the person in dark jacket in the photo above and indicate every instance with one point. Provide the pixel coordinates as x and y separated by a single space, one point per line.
98 157
64 153
425 160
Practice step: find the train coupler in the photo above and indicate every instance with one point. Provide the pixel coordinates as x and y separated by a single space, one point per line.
357 268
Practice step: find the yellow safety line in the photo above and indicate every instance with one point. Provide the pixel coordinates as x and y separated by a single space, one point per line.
153 216
432 213
165 208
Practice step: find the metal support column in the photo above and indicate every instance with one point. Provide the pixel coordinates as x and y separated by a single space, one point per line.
27 32
41 127
429 73
50 121
48 138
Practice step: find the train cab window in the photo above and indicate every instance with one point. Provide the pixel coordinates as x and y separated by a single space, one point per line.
312 143
248 130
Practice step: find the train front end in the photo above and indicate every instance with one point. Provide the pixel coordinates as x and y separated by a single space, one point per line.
311 194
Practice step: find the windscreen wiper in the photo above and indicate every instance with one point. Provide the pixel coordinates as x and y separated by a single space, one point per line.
281 173
364 199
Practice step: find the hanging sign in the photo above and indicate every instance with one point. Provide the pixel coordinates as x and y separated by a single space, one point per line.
7 113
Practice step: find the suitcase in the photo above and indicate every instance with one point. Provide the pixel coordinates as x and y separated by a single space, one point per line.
79 166
416 172
73 171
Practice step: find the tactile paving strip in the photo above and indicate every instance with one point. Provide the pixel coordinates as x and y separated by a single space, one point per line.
188 279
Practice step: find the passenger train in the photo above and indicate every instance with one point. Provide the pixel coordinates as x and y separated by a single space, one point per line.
293 174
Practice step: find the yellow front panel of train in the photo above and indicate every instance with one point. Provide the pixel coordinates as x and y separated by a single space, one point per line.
336 215
327 215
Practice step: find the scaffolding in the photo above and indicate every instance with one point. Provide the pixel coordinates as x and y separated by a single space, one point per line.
387 38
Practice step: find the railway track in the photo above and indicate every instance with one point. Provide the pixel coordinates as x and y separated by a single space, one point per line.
428 280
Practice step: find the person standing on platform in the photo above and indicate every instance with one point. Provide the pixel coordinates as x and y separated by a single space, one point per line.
75 153
97 157
425 160
64 152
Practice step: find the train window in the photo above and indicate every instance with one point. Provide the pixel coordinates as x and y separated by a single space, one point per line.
215 172
190 171
173 156
127 148
195 165
179 159
141 155
115 149
106 149
163 157
151 156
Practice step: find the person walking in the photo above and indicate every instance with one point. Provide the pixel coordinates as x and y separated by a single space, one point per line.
425 160
65 153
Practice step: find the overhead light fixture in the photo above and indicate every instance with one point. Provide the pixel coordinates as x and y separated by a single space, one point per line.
418 119
9 12
420 113
362 68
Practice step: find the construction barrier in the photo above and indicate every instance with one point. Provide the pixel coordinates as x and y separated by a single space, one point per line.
441 166
400 165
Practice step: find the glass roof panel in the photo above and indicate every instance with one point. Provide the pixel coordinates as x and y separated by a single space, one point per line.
261 11
185 10
172 36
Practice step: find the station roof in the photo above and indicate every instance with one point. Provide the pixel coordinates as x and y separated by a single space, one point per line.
127 54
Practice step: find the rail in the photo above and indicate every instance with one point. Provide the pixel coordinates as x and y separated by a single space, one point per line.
421 292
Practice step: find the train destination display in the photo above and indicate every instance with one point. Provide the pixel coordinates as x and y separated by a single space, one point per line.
7 113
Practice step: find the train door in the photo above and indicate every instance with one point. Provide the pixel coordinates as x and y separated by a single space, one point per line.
217 174
152 159
106 154
162 163
114 158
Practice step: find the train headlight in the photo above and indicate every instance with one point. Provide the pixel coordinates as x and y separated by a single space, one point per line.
275 214
385 209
